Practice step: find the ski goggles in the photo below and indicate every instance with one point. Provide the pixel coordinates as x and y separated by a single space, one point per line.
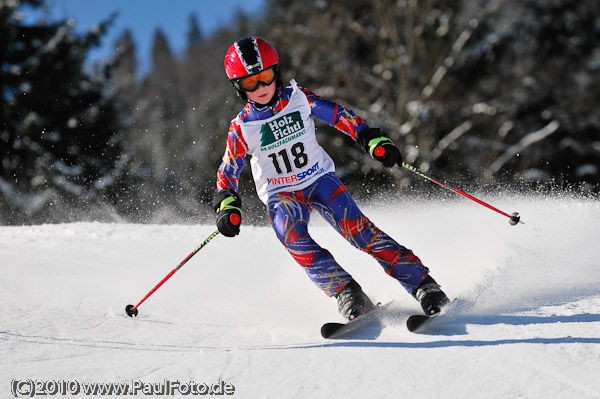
251 83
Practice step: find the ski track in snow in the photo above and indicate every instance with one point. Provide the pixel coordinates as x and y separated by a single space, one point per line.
527 320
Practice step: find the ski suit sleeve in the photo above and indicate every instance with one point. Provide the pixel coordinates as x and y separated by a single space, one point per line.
337 116
228 174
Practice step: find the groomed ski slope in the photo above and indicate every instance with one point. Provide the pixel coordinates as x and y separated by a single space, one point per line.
243 312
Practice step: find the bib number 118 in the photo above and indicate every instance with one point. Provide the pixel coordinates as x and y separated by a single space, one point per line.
299 158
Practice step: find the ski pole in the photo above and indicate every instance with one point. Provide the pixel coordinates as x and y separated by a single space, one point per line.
514 218
132 310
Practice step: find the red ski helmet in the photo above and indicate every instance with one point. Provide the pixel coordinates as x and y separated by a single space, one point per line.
249 56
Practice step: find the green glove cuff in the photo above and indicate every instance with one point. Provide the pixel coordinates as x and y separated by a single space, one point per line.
226 204
373 143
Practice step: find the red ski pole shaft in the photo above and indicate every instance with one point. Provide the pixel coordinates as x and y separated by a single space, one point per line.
132 310
157 286
514 218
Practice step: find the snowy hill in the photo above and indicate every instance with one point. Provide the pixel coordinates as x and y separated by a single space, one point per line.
242 311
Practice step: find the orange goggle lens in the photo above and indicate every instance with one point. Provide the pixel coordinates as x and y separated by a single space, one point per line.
250 83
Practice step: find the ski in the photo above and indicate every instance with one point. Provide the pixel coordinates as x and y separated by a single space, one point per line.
338 330
417 321
414 323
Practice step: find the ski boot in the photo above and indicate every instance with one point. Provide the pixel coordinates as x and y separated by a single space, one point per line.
352 301
430 296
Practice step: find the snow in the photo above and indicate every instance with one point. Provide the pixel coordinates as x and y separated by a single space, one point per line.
527 324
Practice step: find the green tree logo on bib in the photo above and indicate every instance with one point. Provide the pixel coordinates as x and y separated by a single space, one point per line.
281 130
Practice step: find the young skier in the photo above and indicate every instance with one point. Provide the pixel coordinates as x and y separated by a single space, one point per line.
294 175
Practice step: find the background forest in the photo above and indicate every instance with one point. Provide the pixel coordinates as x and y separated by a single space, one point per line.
489 95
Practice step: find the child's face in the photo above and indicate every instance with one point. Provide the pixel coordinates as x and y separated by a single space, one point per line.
263 94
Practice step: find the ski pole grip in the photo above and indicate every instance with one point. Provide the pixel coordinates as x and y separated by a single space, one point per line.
234 218
379 151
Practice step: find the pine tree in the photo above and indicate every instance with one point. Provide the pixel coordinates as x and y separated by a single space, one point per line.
194 34
125 71
59 131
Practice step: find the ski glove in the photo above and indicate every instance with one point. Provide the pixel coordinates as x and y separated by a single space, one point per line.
379 147
227 204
